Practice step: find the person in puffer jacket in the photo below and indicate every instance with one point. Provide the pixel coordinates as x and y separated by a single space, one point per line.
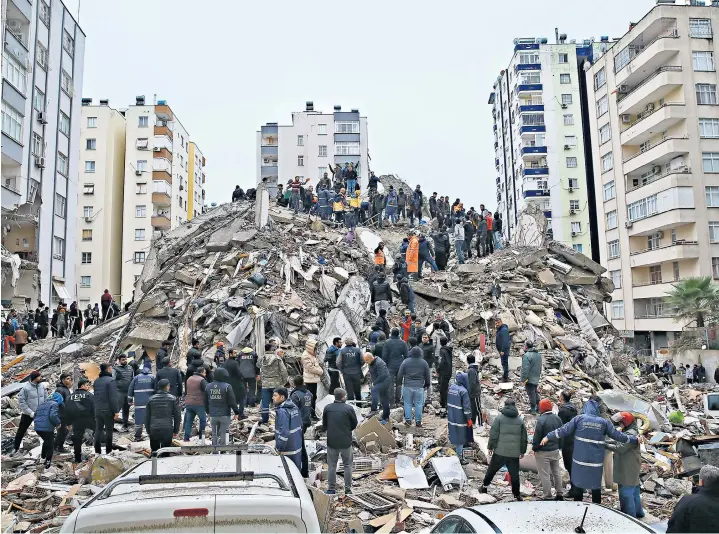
273 374
47 418
459 414
302 398
312 372
474 376
141 389
123 373
380 384
250 374
288 427
234 373
31 396
219 400
349 362
163 416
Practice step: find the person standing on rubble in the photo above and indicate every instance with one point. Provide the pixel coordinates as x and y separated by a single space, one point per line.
220 356
273 374
392 205
459 240
381 293
80 411
482 237
459 415
323 201
194 351
250 374
234 378
312 372
393 354
122 374
378 203
627 466
441 247
105 301
219 400
566 413
338 207
173 376
349 363
141 389
425 255
195 403
402 204
489 243
589 430
497 231
288 427
47 418
415 376
106 407
31 396
339 420
380 384
406 293
379 258
303 399
507 445
428 352
469 231
474 375
444 370
502 343
63 387
433 205
531 372
416 208
331 361
163 416
698 512
238 194
373 181
162 353
547 455
412 256
406 325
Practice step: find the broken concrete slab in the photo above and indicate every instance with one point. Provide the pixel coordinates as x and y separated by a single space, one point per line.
528 259
573 257
575 278
188 275
221 240
471 268
95 334
547 278
465 317
158 298
242 237
149 333
430 292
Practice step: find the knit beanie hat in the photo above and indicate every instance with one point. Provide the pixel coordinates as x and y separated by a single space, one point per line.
545 405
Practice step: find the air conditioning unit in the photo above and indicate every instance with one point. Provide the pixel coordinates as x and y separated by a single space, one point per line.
628 224
660 233
41 118
635 182
650 107
156 149
623 89
40 162
545 191
571 189
564 106
88 219
182 188
138 173
572 212
657 169
567 147
626 118
574 234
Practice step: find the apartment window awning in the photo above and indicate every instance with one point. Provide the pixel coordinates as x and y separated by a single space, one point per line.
61 290
142 143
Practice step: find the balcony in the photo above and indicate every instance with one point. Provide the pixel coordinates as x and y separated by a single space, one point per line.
538 170
268 170
162 175
656 154
537 128
681 250
163 112
669 219
526 46
651 121
163 130
534 193
160 152
161 222
161 199
524 108
658 182
657 323
654 87
528 66
267 150
527 88
531 150
651 290
656 45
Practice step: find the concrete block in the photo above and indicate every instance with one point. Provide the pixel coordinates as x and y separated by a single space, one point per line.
430 292
465 317
157 298
547 278
471 268
188 275
528 259
149 334
576 258
576 278
242 237
96 334
221 240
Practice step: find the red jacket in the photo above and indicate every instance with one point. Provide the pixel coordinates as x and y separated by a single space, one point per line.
405 328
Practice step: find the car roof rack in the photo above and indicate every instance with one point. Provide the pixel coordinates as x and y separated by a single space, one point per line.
186 478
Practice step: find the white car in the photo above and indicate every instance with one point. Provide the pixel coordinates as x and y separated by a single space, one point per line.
202 493
538 516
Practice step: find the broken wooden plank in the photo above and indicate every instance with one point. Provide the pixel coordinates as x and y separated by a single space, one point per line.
386 519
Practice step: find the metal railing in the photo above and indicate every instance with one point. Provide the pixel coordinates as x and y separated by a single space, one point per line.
670 33
647 114
647 148
675 244
668 68
654 178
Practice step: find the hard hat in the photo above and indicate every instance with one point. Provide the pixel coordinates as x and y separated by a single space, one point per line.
220 344
625 418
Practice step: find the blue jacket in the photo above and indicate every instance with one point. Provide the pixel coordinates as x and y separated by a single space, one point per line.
415 370
589 430
379 373
47 416
141 389
350 361
424 251
288 432
394 353
331 356
459 410
502 340
391 206
219 396
302 399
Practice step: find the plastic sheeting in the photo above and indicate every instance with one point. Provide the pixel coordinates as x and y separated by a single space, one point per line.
449 470
620 401
410 476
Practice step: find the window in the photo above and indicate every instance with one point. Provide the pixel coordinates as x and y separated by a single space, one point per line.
87 212
655 274
609 191
643 208
140 189
564 78
714 231
300 140
141 165
715 267
14 73
570 140
653 241
576 227
709 128
300 161
701 28
605 134
66 83
566 99
563 58
568 119
618 309
674 236
706 93
600 78
92 122
44 13
321 129
347 148
12 122
139 257
62 164
322 151
140 211
613 248
574 205
143 121
88 189
616 277
571 162
710 161
42 56
64 124
37 147
89 166
611 219
85 281
58 248
573 183
607 162
675 269
712 193
321 172
38 101
703 61
90 144
87 235
577 247
347 127
68 43
139 234
60 205
602 106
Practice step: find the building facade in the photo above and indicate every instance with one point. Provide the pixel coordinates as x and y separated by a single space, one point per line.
313 142
540 139
42 71
100 205
196 186
655 144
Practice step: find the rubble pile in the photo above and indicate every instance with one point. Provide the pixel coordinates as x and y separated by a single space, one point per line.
229 275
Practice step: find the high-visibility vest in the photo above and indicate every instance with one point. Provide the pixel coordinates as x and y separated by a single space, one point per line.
489 222
379 257
412 255
338 206
355 202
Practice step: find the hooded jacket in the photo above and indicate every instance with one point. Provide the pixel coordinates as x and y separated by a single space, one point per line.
141 389
428 353
65 392
414 370
474 375
381 290
458 232
546 423
234 377
444 365
394 353
272 371
350 360
80 408
248 364
627 459
697 512
441 243
331 357
288 432
531 367
31 396
566 413
302 398
105 393
459 410
502 340
424 248
47 416
508 436
174 376
311 369
162 414
379 373
219 397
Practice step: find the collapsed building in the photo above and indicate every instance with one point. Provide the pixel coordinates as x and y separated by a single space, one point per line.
246 272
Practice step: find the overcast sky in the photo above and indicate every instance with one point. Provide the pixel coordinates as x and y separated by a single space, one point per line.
420 71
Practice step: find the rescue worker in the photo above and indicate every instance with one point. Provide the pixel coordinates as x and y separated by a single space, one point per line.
219 402
459 415
412 256
163 416
323 201
474 376
627 466
531 372
331 360
338 207
288 427
393 354
250 374
349 363
273 374
303 400
391 204
547 455
379 259
220 356
80 411
141 389
235 379
502 343
355 206
106 406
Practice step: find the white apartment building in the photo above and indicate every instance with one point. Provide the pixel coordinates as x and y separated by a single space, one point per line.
42 69
157 195
655 142
310 144
196 187
541 147
100 206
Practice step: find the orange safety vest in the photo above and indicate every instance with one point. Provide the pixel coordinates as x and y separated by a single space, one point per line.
379 257
489 222
412 255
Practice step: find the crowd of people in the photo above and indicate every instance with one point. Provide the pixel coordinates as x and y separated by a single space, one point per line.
693 374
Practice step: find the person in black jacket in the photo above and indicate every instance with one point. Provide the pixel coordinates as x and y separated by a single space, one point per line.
105 407
469 231
63 388
393 354
162 353
547 455
194 351
232 366
172 375
380 384
444 369
475 389
162 416
302 398
80 412
566 413
381 293
123 373
339 420
331 361
698 512
238 194
349 362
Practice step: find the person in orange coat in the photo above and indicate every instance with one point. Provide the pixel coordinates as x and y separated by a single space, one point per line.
412 256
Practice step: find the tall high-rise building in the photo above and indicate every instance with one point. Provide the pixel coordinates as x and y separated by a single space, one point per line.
312 143
541 144
42 69
655 141
196 186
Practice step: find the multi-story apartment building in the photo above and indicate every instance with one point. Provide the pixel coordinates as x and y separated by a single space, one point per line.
157 192
196 187
310 144
541 145
42 69
655 143
100 206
